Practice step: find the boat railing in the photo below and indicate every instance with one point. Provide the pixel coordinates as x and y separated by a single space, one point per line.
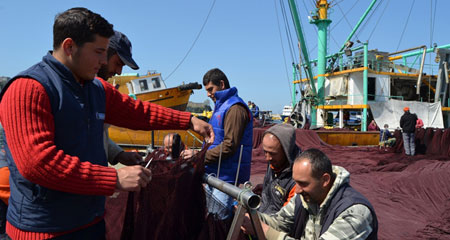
195 137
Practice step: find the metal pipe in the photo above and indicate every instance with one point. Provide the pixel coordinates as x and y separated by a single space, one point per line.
419 80
220 160
365 88
428 50
244 196
407 50
239 166
446 84
301 39
358 24
438 85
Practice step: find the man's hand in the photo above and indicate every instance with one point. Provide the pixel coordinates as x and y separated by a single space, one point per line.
188 153
203 128
258 189
133 178
247 226
128 158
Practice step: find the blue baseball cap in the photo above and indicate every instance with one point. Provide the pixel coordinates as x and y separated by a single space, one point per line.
122 45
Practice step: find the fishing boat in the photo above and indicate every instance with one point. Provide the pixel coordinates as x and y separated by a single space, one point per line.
286 113
376 84
152 88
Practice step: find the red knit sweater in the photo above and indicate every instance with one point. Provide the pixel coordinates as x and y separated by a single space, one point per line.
26 116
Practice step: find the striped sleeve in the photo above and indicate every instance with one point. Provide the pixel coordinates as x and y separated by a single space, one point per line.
281 222
27 118
353 223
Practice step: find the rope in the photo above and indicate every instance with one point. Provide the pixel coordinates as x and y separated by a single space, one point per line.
363 25
378 21
342 18
340 9
288 31
404 28
195 41
282 46
432 23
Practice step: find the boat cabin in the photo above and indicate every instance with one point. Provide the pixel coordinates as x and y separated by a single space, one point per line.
145 84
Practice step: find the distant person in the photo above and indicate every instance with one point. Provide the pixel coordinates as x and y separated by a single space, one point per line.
173 145
232 122
117 56
408 124
53 115
325 205
280 151
373 126
249 104
255 110
386 138
419 123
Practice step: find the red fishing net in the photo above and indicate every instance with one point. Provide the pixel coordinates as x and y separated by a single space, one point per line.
410 194
172 206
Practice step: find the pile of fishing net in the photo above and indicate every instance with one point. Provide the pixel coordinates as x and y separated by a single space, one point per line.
172 206
410 194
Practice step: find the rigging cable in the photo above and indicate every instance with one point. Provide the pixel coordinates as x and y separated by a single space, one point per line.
288 31
372 13
282 47
404 28
351 27
342 18
378 21
195 41
432 22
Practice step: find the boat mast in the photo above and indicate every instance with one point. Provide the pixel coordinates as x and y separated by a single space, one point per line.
322 22
304 54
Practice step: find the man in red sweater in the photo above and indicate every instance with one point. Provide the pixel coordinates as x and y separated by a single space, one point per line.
53 115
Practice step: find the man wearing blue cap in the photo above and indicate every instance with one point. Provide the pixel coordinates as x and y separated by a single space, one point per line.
118 55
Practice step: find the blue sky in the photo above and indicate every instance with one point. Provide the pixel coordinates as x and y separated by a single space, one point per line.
240 37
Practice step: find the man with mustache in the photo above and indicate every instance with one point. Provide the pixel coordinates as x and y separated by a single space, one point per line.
325 207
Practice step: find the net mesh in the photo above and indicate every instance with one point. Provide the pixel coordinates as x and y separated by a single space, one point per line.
172 206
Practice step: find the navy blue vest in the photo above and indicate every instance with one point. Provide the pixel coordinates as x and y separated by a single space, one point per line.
224 100
3 162
344 198
78 113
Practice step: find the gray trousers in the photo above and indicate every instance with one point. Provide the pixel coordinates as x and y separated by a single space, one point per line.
408 143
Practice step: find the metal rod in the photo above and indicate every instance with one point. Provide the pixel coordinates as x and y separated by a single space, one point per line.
244 196
446 84
220 160
358 24
419 80
239 166
407 50
153 140
148 163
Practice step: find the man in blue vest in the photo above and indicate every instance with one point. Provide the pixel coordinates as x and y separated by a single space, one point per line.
232 122
53 116
325 207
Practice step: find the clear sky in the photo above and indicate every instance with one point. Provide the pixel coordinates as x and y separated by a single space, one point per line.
241 37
